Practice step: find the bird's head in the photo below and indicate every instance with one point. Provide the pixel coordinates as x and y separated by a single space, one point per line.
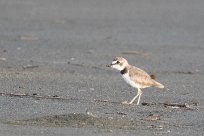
118 63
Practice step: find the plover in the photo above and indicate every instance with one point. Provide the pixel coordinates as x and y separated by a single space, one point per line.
134 76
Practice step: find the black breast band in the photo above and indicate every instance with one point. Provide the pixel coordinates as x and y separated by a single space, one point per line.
124 71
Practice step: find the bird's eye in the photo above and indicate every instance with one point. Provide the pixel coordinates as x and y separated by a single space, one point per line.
115 62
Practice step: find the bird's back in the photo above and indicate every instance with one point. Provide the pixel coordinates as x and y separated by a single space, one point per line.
141 77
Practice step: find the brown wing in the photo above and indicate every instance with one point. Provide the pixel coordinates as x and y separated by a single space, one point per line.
140 77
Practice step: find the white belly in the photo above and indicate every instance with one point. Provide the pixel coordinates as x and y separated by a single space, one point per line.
129 81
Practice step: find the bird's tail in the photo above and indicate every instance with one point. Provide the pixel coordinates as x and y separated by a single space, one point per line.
157 84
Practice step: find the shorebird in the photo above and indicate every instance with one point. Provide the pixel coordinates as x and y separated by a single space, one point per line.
134 76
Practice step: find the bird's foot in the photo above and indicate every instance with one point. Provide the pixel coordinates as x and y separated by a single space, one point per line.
126 103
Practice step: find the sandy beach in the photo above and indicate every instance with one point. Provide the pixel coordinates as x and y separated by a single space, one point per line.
53 74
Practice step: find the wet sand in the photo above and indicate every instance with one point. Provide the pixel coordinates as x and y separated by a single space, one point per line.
53 74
